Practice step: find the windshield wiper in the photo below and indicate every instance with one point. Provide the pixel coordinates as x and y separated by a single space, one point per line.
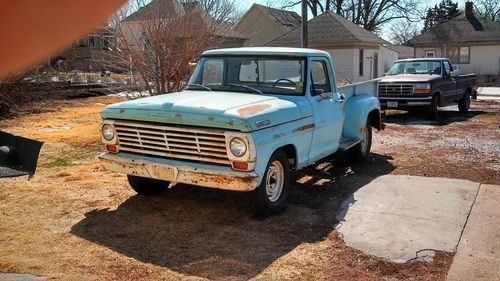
201 86
246 87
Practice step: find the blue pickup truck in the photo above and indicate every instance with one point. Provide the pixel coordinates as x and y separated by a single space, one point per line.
247 118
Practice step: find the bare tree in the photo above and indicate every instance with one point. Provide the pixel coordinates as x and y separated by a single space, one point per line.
369 14
488 9
401 31
159 45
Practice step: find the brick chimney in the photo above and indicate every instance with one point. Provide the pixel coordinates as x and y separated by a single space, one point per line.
468 10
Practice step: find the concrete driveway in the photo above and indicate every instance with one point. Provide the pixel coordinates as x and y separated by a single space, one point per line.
401 218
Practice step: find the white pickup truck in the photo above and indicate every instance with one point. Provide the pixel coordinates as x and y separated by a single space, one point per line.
248 117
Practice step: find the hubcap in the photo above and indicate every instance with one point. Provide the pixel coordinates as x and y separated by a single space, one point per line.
274 181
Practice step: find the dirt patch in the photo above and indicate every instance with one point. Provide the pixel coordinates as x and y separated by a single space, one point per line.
74 220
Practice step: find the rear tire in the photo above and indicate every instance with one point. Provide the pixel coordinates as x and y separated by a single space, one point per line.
433 108
147 186
464 103
270 196
361 151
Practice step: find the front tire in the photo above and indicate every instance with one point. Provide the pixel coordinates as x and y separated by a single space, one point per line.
464 103
270 196
361 151
147 186
433 108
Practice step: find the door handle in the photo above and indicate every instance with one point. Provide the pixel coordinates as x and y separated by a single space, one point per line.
325 96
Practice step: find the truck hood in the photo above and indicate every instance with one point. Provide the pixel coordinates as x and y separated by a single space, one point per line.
228 110
409 78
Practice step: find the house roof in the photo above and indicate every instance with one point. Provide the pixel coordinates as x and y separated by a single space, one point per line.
472 30
162 9
286 20
328 29
157 9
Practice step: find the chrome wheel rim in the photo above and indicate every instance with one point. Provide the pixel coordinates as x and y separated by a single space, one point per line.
364 141
274 181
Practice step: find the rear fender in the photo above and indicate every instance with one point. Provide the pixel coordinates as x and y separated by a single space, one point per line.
356 111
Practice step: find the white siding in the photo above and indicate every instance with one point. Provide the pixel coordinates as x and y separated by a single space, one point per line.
386 57
483 59
343 64
347 63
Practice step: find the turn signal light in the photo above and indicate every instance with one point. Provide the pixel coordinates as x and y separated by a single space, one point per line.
422 91
112 148
240 165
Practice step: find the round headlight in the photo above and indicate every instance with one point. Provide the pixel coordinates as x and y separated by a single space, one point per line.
238 147
108 133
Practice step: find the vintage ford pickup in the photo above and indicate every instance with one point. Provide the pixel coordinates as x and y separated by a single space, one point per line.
247 118
425 83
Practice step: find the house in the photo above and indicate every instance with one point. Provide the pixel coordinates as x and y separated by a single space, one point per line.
404 52
93 52
357 53
224 35
260 24
467 40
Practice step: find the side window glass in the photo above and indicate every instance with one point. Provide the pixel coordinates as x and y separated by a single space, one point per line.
447 68
212 72
319 78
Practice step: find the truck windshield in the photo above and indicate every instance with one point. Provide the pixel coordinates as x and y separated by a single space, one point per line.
415 67
260 75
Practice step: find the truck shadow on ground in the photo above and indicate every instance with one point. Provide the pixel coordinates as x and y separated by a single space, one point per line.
415 117
213 234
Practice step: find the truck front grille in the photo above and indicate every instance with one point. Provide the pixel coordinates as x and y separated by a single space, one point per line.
185 143
389 89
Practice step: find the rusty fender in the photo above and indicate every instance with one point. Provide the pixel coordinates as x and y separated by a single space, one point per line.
219 177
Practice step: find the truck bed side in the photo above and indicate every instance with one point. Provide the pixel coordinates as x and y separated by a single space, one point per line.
360 104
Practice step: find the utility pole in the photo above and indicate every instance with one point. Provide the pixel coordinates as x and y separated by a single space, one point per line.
304 24
371 59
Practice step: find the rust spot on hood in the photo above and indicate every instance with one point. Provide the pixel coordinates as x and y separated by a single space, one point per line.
252 109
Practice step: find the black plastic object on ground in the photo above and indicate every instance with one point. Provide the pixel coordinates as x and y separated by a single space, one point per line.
18 155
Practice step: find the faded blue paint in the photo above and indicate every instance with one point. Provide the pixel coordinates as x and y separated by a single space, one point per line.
361 99
312 125
228 110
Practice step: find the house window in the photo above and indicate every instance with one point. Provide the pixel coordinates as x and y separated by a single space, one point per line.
430 54
464 55
361 55
108 41
452 54
81 42
95 41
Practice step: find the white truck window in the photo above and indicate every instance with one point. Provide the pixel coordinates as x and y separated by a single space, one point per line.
213 72
319 77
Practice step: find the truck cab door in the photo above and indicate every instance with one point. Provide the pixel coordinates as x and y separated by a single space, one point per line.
327 108
449 83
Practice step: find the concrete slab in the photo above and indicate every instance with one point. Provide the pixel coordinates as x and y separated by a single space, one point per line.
19 277
400 218
478 253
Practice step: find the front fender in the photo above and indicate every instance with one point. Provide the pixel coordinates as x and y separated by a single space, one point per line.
356 111
297 133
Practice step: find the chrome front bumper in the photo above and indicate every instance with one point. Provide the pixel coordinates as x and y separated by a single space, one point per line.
405 101
213 176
